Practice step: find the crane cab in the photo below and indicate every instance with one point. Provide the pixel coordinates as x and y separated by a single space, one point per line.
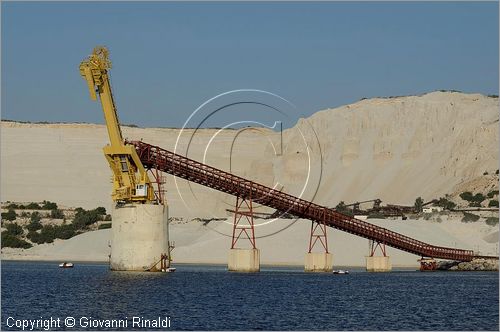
141 189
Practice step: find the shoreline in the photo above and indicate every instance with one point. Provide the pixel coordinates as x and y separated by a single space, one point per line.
32 259
200 245
264 266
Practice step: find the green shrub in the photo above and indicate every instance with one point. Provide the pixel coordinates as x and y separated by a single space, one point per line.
49 205
104 226
446 203
474 204
479 197
56 214
33 206
9 215
35 237
100 211
49 233
493 203
419 202
492 194
64 232
79 210
466 196
25 214
492 221
14 229
470 217
12 241
34 226
85 218
36 217
13 206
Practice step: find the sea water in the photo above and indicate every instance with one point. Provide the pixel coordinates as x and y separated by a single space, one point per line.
91 297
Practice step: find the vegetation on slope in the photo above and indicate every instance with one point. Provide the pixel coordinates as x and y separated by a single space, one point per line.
32 229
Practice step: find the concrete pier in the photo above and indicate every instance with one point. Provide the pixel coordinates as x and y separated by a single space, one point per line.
244 260
378 264
318 262
139 237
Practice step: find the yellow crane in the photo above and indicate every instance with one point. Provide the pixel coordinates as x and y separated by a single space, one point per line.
130 180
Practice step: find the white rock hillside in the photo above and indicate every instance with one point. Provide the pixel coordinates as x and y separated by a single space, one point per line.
394 148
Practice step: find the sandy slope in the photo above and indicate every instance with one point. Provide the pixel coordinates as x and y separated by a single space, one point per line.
395 149
91 246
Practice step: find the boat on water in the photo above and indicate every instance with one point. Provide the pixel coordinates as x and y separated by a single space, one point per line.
169 269
340 272
66 265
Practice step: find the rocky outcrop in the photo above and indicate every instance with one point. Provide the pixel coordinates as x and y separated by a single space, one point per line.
479 264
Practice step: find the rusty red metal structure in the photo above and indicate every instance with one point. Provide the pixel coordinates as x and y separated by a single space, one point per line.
243 210
318 235
154 157
159 182
373 248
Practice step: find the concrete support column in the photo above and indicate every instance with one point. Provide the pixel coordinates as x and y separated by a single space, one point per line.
318 262
139 237
244 260
378 264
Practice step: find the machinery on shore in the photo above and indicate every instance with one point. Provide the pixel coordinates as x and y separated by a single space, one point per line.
130 180
388 210
140 225
355 207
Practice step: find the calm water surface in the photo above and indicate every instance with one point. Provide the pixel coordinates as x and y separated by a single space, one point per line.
209 298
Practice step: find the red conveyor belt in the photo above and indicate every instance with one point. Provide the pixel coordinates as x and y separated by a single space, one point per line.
157 158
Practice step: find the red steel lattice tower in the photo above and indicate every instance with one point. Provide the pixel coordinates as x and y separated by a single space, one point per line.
373 245
243 222
318 235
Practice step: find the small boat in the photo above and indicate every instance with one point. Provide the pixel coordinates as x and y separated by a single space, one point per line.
66 265
169 269
340 272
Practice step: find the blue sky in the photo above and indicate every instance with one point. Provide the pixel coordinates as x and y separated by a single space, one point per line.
168 58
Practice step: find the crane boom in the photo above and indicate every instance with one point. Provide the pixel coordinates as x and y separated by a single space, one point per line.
95 71
130 180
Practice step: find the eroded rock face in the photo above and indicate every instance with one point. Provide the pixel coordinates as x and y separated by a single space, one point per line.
479 264
374 148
